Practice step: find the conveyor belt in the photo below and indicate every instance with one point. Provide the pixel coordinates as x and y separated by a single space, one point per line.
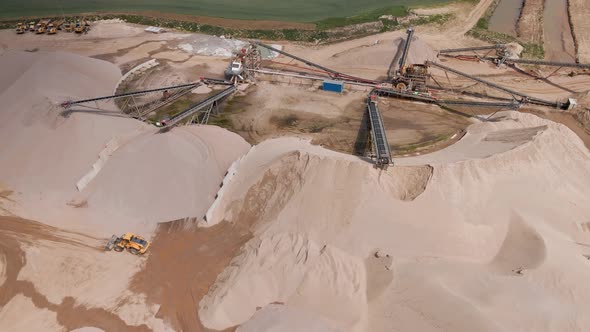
333 73
200 105
143 111
480 48
543 62
129 94
403 94
529 99
380 143
513 105
404 57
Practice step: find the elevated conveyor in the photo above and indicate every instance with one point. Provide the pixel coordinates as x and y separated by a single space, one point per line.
542 63
404 57
205 106
480 48
380 143
526 98
68 104
331 72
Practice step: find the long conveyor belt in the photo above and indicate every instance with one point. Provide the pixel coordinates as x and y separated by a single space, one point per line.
200 105
404 57
380 143
333 73
530 99
480 48
543 62
128 94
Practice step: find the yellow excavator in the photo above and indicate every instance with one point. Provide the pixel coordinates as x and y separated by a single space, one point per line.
135 244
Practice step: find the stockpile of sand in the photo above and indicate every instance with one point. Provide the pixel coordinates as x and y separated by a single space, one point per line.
48 156
470 238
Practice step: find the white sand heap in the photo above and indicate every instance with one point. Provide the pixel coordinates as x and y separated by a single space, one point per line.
143 177
471 238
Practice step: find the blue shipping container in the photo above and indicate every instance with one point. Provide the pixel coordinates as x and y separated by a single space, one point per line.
334 86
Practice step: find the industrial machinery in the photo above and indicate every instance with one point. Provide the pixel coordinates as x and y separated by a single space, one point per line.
79 28
51 29
20 28
135 244
244 60
412 77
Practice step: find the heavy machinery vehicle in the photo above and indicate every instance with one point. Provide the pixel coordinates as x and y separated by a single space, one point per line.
135 244
40 29
20 28
51 29
79 28
68 27
31 26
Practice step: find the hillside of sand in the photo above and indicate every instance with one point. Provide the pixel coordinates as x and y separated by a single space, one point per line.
488 234
112 172
471 237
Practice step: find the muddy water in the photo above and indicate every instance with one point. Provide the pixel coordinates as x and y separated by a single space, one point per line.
506 16
559 43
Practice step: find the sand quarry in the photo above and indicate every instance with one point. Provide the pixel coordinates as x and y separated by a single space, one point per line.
263 227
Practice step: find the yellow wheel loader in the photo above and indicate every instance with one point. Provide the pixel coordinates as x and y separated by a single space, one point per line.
135 244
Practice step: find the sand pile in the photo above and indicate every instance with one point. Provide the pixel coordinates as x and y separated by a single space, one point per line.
277 318
471 237
514 50
50 156
289 269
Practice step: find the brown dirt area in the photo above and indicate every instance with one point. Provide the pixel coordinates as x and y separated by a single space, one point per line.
530 23
579 11
183 264
185 260
335 121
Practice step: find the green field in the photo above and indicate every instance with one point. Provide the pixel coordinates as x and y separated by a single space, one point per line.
279 10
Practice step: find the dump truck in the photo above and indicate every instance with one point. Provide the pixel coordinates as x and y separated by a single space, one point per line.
79 27
20 28
135 244
51 29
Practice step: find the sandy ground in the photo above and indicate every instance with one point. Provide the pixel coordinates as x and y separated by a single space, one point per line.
194 158
579 11
530 22
489 232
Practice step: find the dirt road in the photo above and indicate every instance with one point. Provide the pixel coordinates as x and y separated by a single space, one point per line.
16 232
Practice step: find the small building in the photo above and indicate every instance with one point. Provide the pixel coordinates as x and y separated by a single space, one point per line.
332 85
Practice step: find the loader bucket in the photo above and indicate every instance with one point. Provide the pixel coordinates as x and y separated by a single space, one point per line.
112 242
